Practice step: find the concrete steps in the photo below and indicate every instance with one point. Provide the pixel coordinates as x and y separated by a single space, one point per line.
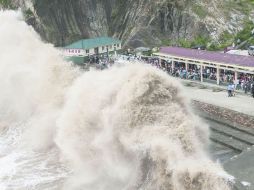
233 146
234 133
236 138
229 142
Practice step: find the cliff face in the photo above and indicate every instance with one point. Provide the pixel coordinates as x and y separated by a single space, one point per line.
151 22
64 22
136 22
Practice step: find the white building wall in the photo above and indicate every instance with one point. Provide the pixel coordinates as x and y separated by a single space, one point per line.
117 47
120 46
80 52
103 49
73 52
91 52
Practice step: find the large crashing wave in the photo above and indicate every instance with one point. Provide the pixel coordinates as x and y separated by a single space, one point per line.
130 128
125 128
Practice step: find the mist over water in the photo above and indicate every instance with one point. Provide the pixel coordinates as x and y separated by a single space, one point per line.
126 128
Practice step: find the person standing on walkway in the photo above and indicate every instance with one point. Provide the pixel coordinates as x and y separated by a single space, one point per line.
237 84
233 88
229 90
252 90
245 87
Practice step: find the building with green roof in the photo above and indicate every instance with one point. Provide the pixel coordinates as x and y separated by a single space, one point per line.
80 50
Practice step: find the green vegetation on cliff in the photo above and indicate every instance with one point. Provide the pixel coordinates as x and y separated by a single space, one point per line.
199 10
6 4
243 38
246 33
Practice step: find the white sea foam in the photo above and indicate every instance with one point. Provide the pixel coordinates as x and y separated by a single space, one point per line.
127 128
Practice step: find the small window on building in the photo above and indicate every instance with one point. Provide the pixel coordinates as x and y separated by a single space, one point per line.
103 48
87 51
118 45
114 45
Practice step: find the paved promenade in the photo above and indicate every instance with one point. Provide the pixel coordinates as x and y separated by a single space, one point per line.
206 99
241 167
212 95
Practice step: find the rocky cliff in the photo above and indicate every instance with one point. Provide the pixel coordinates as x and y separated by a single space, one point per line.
136 22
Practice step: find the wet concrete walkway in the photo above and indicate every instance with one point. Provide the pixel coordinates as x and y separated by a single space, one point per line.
242 168
231 141
233 147
240 103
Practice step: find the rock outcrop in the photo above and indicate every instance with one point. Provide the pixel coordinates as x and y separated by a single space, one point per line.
136 22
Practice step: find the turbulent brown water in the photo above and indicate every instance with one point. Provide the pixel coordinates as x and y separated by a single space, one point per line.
126 128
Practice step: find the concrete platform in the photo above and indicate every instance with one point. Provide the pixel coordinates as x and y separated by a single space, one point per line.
240 103
242 168
233 147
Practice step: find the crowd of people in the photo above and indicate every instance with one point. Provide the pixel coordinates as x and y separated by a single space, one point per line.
100 62
244 82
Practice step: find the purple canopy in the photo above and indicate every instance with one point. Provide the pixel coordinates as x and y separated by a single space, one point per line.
240 60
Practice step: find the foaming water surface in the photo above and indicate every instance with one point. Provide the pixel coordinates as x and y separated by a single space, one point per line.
128 127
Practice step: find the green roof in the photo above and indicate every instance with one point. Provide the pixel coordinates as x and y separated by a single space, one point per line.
93 43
